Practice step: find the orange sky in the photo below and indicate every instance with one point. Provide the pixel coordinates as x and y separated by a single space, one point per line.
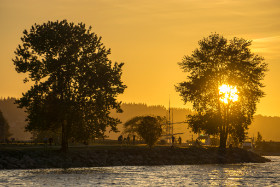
150 37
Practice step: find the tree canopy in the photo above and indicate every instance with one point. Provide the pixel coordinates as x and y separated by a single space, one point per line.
219 61
147 127
75 83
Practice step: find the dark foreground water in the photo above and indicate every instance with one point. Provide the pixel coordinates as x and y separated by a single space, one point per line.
264 174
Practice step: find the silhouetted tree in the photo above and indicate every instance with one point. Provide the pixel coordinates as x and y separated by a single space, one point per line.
4 128
75 84
219 61
259 138
147 127
131 126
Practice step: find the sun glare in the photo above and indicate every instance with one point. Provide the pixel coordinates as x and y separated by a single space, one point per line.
228 93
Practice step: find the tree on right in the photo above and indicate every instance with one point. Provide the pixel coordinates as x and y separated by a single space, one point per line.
224 84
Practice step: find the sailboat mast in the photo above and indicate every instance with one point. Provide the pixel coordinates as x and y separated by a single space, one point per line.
169 129
172 122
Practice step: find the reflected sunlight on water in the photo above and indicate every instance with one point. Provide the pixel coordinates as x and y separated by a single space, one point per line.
264 174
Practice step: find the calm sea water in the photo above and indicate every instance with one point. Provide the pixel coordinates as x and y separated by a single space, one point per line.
265 174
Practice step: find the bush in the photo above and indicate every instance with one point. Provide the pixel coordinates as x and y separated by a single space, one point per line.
150 130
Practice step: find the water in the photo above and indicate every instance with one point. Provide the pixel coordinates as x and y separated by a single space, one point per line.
264 174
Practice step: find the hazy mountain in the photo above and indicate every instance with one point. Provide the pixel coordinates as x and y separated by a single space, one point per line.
269 127
15 117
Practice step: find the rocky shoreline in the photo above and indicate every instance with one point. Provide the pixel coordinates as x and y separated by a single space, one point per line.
87 157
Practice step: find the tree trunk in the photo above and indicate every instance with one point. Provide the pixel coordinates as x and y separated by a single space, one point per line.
223 140
224 130
64 138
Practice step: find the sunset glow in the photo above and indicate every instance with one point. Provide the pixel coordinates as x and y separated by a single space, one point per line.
228 93
150 38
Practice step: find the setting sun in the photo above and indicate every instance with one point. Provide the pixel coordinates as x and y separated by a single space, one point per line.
141 93
228 93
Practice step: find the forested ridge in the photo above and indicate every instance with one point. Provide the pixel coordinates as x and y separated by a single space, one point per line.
268 126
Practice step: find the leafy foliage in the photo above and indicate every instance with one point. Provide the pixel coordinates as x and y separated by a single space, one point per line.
75 84
131 126
147 127
220 61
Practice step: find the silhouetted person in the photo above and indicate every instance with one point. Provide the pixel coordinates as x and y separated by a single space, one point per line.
124 140
173 140
50 141
120 139
197 143
45 140
133 139
128 139
180 140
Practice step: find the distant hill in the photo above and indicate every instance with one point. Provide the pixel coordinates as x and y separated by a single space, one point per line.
269 127
15 117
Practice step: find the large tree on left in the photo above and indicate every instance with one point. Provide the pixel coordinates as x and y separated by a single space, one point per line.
75 83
